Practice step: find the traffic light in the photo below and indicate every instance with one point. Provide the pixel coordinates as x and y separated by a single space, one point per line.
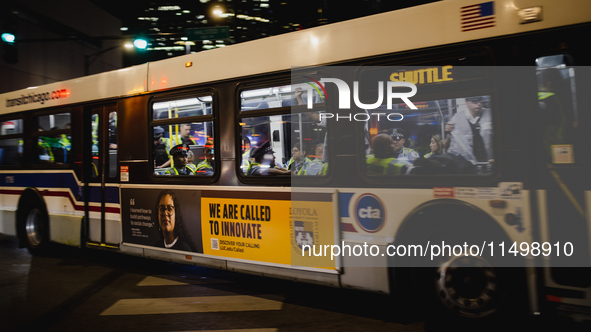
140 43
8 37
9 46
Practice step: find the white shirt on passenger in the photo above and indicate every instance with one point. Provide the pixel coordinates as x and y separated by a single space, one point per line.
461 137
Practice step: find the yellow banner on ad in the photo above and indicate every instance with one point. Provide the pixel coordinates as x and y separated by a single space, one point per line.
272 231
256 230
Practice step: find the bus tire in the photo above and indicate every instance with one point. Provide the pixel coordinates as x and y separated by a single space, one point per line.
443 283
33 224
460 287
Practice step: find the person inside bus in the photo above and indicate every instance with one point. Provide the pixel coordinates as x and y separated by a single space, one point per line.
436 147
400 151
190 158
245 162
44 150
180 163
315 165
558 125
171 229
298 160
59 147
471 131
160 152
206 167
382 161
113 131
264 162
184 135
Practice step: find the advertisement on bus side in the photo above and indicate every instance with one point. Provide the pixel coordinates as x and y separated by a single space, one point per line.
162 218
262 227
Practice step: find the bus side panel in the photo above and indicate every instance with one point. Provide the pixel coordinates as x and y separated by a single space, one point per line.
7 221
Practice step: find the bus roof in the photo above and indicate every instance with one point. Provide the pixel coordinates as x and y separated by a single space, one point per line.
428 25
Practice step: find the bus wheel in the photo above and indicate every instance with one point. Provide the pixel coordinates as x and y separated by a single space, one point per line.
34 228
469 286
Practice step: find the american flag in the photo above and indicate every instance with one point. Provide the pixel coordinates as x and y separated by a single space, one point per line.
478 16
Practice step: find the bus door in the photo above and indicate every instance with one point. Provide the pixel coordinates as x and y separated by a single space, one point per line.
563 180
101 189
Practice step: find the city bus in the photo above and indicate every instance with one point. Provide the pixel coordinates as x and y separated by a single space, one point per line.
242 158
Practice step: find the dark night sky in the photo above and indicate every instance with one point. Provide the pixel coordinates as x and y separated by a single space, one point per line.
304 11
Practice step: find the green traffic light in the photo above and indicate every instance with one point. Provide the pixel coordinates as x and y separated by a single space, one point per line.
140 43
8 37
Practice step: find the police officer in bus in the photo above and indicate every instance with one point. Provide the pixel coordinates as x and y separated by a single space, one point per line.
382 162
180 162
160 152
264 162
206 167
400 151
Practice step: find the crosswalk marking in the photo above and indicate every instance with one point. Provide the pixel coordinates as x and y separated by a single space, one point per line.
177 305
237 330
155 281
167 281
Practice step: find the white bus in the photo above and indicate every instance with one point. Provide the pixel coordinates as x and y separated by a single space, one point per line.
102 161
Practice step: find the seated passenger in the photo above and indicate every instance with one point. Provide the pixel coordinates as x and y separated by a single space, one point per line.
324 169
400 151
190 158
264 162
245 154
298 160
180 166
44 149
436 146
314 167
382 162
206 167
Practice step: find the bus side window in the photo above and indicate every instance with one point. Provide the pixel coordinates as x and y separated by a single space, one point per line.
11 142
281 144
54 140
95 145
113 144
558 107
186 146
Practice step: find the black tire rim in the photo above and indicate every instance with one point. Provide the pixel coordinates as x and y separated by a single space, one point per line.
468 286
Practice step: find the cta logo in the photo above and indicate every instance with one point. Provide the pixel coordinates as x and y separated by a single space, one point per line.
370 213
